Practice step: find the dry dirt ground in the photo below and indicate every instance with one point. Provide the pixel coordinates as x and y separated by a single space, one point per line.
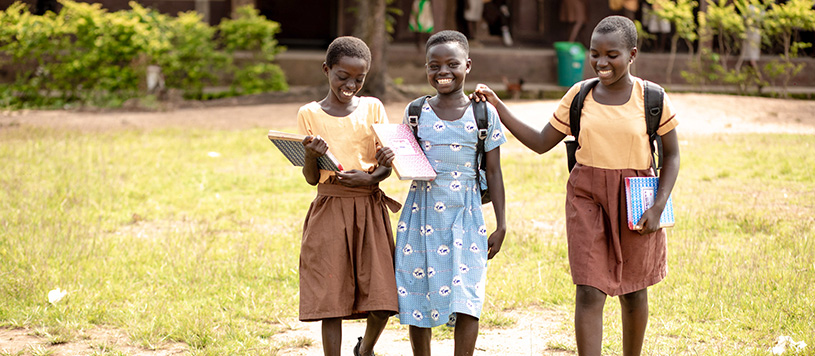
537 331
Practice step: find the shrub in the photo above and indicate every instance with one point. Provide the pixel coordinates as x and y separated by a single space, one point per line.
87 55
252 33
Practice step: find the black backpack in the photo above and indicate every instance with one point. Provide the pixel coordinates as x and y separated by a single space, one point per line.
480 112
653 95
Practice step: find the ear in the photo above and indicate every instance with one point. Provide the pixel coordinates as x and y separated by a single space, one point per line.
325 69
469 65
633 54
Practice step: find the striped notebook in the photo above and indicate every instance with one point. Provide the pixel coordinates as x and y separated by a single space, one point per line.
640 193
291 145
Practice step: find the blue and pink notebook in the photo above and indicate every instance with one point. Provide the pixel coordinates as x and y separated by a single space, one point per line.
639 196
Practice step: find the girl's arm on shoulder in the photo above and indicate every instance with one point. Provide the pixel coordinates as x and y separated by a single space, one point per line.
495 183
667 178
539 141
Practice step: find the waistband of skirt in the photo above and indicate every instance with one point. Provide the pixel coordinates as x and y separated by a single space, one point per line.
341 191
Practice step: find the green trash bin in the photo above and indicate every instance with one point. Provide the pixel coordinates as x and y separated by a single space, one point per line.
570 58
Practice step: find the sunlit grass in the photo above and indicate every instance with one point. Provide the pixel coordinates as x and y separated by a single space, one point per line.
147 232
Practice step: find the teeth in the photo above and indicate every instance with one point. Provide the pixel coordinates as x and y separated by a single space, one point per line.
444 81
604 72
347 93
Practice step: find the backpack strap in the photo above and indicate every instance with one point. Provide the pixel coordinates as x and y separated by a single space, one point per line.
576 108
414 112
480 113
653 96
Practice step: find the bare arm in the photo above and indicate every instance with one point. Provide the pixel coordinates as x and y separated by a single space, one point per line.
540 141
315 148
495 183
667 178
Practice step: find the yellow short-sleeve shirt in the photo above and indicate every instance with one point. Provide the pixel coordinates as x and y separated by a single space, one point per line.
613 136
350 138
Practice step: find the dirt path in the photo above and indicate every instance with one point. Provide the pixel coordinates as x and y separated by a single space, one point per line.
537 331
698 114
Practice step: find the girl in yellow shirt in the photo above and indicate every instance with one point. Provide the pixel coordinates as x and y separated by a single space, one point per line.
605 257
346 254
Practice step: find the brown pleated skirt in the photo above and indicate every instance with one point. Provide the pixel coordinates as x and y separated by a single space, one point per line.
572 11
346 254
603 252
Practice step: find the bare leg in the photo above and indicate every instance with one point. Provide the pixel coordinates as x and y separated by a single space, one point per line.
588 320
420 340
332 336
377 320
575 31
635 320
465 335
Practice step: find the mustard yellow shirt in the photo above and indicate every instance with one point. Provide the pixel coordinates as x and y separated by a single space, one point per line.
350 139
613 136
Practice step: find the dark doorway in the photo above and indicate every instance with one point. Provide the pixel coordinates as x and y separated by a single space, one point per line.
303 23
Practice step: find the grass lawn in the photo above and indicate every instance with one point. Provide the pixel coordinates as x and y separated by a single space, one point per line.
193 236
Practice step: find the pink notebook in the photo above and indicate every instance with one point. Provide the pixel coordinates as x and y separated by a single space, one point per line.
410 162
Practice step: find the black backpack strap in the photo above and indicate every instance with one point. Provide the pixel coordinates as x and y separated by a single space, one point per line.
414 112
653 96
480 113
576 108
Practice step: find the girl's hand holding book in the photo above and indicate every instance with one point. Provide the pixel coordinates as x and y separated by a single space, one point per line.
315 146
385 156
649 222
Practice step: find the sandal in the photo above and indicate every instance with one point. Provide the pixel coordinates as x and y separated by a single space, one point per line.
356 348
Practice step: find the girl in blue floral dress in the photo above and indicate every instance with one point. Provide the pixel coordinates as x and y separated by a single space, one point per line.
442 243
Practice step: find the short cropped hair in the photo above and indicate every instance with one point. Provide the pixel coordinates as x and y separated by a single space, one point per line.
347 46
448 36
620 24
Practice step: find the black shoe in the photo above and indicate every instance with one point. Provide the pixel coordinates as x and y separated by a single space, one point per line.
356 348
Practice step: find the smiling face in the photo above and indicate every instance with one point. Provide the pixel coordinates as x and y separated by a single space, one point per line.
610 58
447 67
346 77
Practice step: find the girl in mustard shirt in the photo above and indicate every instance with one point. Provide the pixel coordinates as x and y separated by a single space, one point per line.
605 257
346 254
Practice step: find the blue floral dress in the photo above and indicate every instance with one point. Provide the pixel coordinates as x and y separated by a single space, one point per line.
441 238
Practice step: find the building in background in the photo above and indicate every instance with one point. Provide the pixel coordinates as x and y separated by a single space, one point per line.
314 23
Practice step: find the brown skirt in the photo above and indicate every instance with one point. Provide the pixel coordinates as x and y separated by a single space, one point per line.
573 11
346 254
603 252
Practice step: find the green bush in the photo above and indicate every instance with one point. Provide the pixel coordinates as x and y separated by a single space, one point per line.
252 33
87 55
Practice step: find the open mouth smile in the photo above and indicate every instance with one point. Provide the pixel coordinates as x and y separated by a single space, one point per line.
444 81
604 73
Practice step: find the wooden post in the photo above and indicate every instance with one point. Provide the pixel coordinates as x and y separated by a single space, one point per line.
202 7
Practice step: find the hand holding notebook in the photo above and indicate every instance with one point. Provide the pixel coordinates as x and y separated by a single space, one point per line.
640 193
291 145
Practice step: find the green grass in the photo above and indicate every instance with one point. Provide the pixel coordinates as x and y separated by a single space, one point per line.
150 234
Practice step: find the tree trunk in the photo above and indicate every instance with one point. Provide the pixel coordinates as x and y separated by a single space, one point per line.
370 27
